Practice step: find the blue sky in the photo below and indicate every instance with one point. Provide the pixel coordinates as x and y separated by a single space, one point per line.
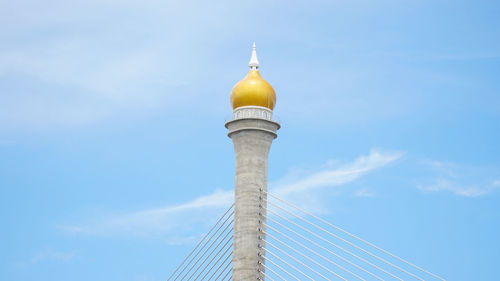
114 158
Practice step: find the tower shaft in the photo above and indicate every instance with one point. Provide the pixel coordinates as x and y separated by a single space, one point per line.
252 132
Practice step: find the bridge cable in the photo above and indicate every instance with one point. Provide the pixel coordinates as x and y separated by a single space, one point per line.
204 245
310 241
292 266
216 262
228 264
352 235
265 276
274 272
342 258
199 243
318 227
227 273
205 252
224 278
305 247
222 248
292 257
228 256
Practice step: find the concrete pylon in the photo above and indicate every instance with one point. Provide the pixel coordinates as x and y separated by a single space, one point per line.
252 131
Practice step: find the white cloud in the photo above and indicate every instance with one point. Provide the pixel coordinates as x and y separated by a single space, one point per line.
70 81
461 180
77 62
342 175
158 221
174 221
177 223
460 189
53 255
48 255
364 192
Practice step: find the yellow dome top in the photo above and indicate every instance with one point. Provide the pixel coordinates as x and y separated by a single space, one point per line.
253 90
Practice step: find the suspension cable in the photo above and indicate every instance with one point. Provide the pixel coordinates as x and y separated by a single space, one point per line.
335 254
199 243
265 275
281 268
355 246
352 235
222 248
220 266
275 273
224 278
228 264
305 247
294 267
288 255
204 253
351 263
216 262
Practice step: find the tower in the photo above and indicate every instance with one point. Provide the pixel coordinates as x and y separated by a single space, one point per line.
252 131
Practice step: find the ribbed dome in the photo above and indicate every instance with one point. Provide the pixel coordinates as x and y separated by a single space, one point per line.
253 91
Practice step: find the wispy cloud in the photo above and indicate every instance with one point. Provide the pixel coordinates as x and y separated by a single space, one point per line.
161 222
461 180
48 255
67 64
364 192
158 221
177 223
459 189
53 255
341 175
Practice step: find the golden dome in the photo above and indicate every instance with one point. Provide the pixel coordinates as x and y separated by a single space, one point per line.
253 90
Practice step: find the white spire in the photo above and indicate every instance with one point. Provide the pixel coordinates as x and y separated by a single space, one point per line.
254 62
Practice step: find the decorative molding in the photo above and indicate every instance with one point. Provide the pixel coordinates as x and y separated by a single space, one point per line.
253 112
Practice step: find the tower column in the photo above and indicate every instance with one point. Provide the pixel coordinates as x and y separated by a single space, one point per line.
252 132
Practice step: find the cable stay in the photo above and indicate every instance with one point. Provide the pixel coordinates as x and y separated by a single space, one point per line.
354 255
293 258
217 262
220 249
296 269
265 275
317 232
205 251
341 240
209 252
274 272
307 257
295 245
309 250
225 268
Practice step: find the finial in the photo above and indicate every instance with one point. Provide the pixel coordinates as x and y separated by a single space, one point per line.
254 62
